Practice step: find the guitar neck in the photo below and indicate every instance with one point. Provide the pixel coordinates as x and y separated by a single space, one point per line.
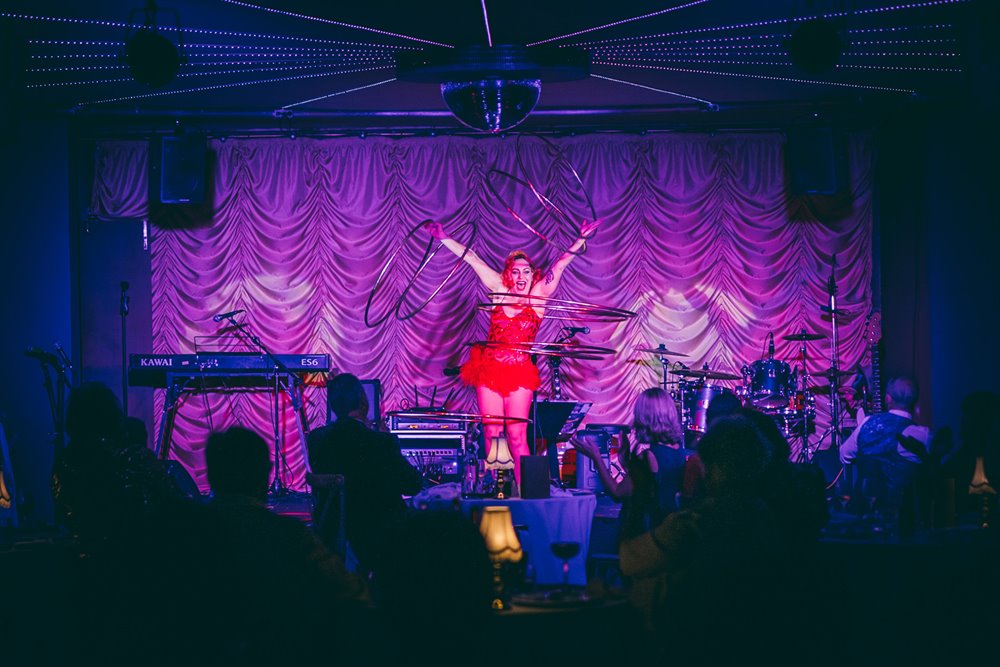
876 388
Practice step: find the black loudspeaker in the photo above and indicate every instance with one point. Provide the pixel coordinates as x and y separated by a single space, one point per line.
182 481
178 169
815 161
534 477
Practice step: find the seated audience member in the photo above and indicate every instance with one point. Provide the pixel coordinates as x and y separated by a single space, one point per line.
707 578
376 475
654 463
437 574
102 486
887 448
693 489
795 492
266 565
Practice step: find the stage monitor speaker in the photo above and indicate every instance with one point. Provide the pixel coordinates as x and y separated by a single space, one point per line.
534 477
373 392
178 169
815 161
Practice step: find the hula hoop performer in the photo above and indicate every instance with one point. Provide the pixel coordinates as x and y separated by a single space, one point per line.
505 378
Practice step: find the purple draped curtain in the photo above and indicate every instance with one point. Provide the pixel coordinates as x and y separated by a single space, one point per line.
700 238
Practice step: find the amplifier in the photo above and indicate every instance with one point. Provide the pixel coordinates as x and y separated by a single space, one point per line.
412 420
433 454
454 442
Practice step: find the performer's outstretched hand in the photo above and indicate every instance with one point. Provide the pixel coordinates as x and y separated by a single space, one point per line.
436 230
588 229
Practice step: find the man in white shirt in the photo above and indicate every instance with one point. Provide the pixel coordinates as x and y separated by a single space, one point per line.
887 448
901 398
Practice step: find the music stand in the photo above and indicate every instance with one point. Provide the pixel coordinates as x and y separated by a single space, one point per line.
556 421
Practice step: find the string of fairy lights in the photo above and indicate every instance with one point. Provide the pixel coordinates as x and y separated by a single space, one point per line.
876 51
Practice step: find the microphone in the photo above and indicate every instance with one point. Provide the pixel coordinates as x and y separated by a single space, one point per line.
42 356
62 355
452 371
770 345
226 316
576 330
123 303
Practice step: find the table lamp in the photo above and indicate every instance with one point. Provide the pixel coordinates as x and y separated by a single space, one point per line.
498 532
501 460
980 486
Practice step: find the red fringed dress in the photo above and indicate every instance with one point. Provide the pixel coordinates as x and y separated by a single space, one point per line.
504 370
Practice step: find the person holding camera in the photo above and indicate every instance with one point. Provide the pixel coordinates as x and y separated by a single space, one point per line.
653 464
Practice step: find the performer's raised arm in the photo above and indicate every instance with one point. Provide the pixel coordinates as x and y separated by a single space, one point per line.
490 278
547 285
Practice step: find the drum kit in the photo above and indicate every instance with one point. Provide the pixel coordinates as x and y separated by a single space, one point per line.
768 385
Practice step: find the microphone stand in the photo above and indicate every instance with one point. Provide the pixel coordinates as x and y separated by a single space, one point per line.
278 486
554 364
56 394
831 288
123 306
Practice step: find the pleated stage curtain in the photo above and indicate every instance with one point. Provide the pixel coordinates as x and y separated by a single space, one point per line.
700 237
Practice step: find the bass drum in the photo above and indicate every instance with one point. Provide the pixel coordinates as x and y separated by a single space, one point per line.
770 384
696 400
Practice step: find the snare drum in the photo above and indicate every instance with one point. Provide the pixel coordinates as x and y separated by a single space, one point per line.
696 400
770 383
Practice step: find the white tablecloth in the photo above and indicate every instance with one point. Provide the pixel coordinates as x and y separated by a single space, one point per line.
565 517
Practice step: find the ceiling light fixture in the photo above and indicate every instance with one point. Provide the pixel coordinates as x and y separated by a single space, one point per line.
492 88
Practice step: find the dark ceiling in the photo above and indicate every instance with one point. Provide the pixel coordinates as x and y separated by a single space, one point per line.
329 62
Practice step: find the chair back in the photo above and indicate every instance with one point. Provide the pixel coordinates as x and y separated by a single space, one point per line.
328 510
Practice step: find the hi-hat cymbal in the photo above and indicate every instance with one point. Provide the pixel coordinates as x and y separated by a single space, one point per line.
804 336
708 375
829 373
661 350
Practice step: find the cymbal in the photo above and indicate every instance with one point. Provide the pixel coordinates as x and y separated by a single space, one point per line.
829 373
804 336
661 350
709 375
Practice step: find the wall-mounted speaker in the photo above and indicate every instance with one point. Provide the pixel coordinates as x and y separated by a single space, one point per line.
816 161
178 169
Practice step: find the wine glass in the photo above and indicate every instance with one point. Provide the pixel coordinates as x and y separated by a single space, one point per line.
565 551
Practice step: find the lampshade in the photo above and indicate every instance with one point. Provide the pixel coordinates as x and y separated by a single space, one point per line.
497 529
499 456
980 484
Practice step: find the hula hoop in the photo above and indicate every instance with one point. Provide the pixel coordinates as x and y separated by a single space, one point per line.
516 216
445 416
565 350
385 270
560 309
423 265
429 253
560 157
548 205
